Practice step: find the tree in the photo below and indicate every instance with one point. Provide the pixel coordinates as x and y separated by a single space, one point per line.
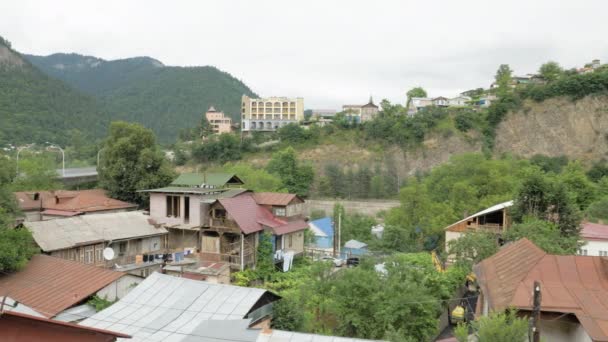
296 177
551 71
415 92
205 128
501 327
132 161
36 173
545 235
582 190
256 179
547 198
16 247
503 79
598 210
265 259
473 247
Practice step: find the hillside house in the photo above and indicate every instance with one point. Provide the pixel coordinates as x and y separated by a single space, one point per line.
459 101
595 237
323 229
574 290
417 103
133 237
493 219
183 206
440 101
236 224
218 121
48 205
56 288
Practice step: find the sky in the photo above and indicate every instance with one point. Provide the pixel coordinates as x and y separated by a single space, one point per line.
329 52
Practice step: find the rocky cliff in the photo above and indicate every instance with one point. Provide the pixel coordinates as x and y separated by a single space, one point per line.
578 130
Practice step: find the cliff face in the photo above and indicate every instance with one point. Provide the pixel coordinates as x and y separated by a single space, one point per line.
578 130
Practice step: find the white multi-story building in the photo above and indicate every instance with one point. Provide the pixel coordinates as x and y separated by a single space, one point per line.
268 114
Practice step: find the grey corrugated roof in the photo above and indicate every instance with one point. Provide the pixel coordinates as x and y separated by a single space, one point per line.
12 305
65 233
288 336
354 244
167 308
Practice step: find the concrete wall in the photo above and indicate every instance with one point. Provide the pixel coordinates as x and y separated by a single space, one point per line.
158 209
449 236
561 331
297 242
593 248
119 288
370 208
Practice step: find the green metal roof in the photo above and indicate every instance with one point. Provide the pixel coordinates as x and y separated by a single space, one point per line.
181 190
212 179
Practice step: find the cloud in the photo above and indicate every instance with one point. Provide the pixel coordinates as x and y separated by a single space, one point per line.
329 52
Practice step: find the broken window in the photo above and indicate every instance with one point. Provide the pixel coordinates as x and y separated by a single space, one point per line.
173 206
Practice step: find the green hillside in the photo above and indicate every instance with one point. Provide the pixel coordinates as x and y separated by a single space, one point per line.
37 108
141 89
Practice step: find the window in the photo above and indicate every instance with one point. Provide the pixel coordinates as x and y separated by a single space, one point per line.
186 209
173 206
99 253
290 243
88 254
122 248
279 211
603 253
582 252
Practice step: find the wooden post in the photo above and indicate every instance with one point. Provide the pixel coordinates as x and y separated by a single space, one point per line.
535 329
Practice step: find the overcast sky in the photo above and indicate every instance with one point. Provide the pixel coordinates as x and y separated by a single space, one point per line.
329 52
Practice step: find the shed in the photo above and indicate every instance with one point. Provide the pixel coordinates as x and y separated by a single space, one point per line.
354 247
323 230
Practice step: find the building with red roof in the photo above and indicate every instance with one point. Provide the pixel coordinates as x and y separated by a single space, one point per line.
595 236
17 326
574 290
46 205
236 224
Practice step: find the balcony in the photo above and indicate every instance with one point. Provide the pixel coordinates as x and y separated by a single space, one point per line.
224 225
488 227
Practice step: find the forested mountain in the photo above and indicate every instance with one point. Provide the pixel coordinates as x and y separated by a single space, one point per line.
37 108
142 89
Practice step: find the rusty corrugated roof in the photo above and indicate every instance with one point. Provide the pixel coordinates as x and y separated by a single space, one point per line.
594 231
50 285
569 283
74 327
274 198
77 201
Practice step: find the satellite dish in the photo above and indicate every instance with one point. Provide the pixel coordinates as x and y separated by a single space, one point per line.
108 253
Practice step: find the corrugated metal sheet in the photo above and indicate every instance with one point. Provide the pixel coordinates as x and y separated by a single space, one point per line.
491 209
167 308
289 336
246 212
274 198
66 233
50 285
213 179
569 283
594 231
290 227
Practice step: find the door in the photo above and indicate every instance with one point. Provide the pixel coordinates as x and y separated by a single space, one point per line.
211 244
186 209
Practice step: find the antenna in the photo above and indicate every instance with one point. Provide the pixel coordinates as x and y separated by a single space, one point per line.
108 253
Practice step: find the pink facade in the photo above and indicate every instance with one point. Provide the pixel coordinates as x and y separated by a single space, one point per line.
218 121
159 205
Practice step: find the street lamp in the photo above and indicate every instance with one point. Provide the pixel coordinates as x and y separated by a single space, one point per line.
51 145
98 153
19 149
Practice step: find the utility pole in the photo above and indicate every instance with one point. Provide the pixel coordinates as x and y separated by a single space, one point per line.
534 323
339 231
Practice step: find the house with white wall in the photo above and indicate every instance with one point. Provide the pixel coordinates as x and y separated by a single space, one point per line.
595 238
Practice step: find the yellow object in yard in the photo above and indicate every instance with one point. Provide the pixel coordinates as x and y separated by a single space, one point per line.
437 262
458 314
471 277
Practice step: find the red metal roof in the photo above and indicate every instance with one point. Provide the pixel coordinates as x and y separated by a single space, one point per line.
594 231
50 285
79 201
275 198
569 283
291 227
68 326
246 212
